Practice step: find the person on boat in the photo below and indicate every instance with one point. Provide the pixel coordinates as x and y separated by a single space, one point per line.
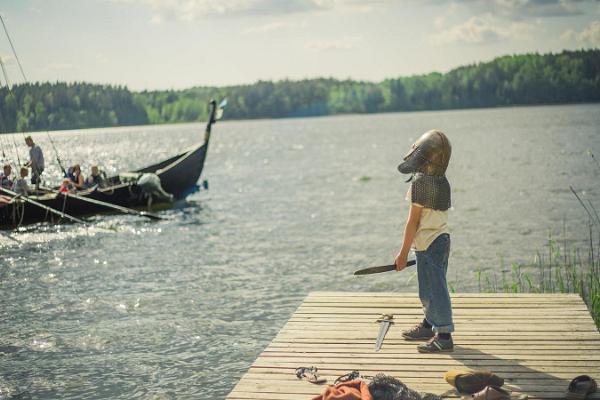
77 178
427 232
20 186
66 186
5 180
36 161
95 178
69 173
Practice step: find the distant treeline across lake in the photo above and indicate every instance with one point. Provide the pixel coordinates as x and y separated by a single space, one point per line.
568 77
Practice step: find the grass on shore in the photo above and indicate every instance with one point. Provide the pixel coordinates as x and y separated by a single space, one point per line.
563 269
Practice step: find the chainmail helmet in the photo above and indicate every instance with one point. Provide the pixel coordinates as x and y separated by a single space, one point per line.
430 155
427 162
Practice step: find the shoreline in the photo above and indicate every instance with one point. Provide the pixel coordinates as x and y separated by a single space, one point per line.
186 123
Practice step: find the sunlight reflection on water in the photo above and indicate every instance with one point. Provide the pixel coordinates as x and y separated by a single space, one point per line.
130 308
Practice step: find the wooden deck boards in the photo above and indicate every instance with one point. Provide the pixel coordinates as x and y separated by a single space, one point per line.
537 343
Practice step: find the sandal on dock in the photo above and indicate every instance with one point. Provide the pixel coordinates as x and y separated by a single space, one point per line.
310 374
350 376
580 387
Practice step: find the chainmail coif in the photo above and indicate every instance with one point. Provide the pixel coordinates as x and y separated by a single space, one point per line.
384 387
431 191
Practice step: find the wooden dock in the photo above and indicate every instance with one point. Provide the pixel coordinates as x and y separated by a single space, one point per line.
537 343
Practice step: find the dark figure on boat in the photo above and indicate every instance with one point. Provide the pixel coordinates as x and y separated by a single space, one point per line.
20 186
77 177
36 161
96 178
66 186
5 180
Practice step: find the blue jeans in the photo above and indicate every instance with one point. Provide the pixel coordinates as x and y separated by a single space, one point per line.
432 265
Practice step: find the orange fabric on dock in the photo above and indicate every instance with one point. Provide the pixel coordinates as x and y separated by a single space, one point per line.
351 390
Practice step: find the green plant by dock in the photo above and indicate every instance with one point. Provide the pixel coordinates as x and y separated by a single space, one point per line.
562 268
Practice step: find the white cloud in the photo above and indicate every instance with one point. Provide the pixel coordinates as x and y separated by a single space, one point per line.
537 8
101 58
568 36
59 66
275 26
346 43
192 10
588 37
591 34
480 30
439 22
8 59
520 9
156 19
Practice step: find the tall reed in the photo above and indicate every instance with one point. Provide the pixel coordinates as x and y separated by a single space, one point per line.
562 269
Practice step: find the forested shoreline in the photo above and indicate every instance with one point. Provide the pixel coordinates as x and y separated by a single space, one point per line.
567 77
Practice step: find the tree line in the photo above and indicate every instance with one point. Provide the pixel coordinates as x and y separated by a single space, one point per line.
566 77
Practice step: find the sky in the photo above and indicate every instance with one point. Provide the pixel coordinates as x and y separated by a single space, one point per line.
176 44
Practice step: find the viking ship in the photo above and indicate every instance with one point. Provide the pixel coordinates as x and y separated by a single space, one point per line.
157 186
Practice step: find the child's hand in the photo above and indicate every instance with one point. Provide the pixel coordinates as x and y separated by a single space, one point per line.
400 262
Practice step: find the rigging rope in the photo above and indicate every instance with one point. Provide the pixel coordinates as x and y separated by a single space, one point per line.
17 151
22 214
3 153
64 207
57 155
5 74
13 48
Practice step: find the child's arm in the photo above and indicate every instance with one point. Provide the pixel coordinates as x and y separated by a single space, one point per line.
414 216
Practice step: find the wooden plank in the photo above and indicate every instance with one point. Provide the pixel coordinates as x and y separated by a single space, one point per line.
454 295
239 395
255 394
414 318
438 375
518 329
477 341
401 305
353 355
397 325
406 365
441 365
464 319
303 387
474 309
255 375
395 351
397 334
459 302
508 336
408 347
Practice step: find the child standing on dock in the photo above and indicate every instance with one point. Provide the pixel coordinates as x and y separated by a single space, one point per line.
426 231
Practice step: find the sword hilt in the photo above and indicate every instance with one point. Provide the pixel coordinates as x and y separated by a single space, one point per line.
386 318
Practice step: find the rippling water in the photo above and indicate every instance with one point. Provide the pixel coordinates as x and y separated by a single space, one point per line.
135 309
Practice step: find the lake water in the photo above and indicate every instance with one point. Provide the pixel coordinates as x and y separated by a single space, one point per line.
135 309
